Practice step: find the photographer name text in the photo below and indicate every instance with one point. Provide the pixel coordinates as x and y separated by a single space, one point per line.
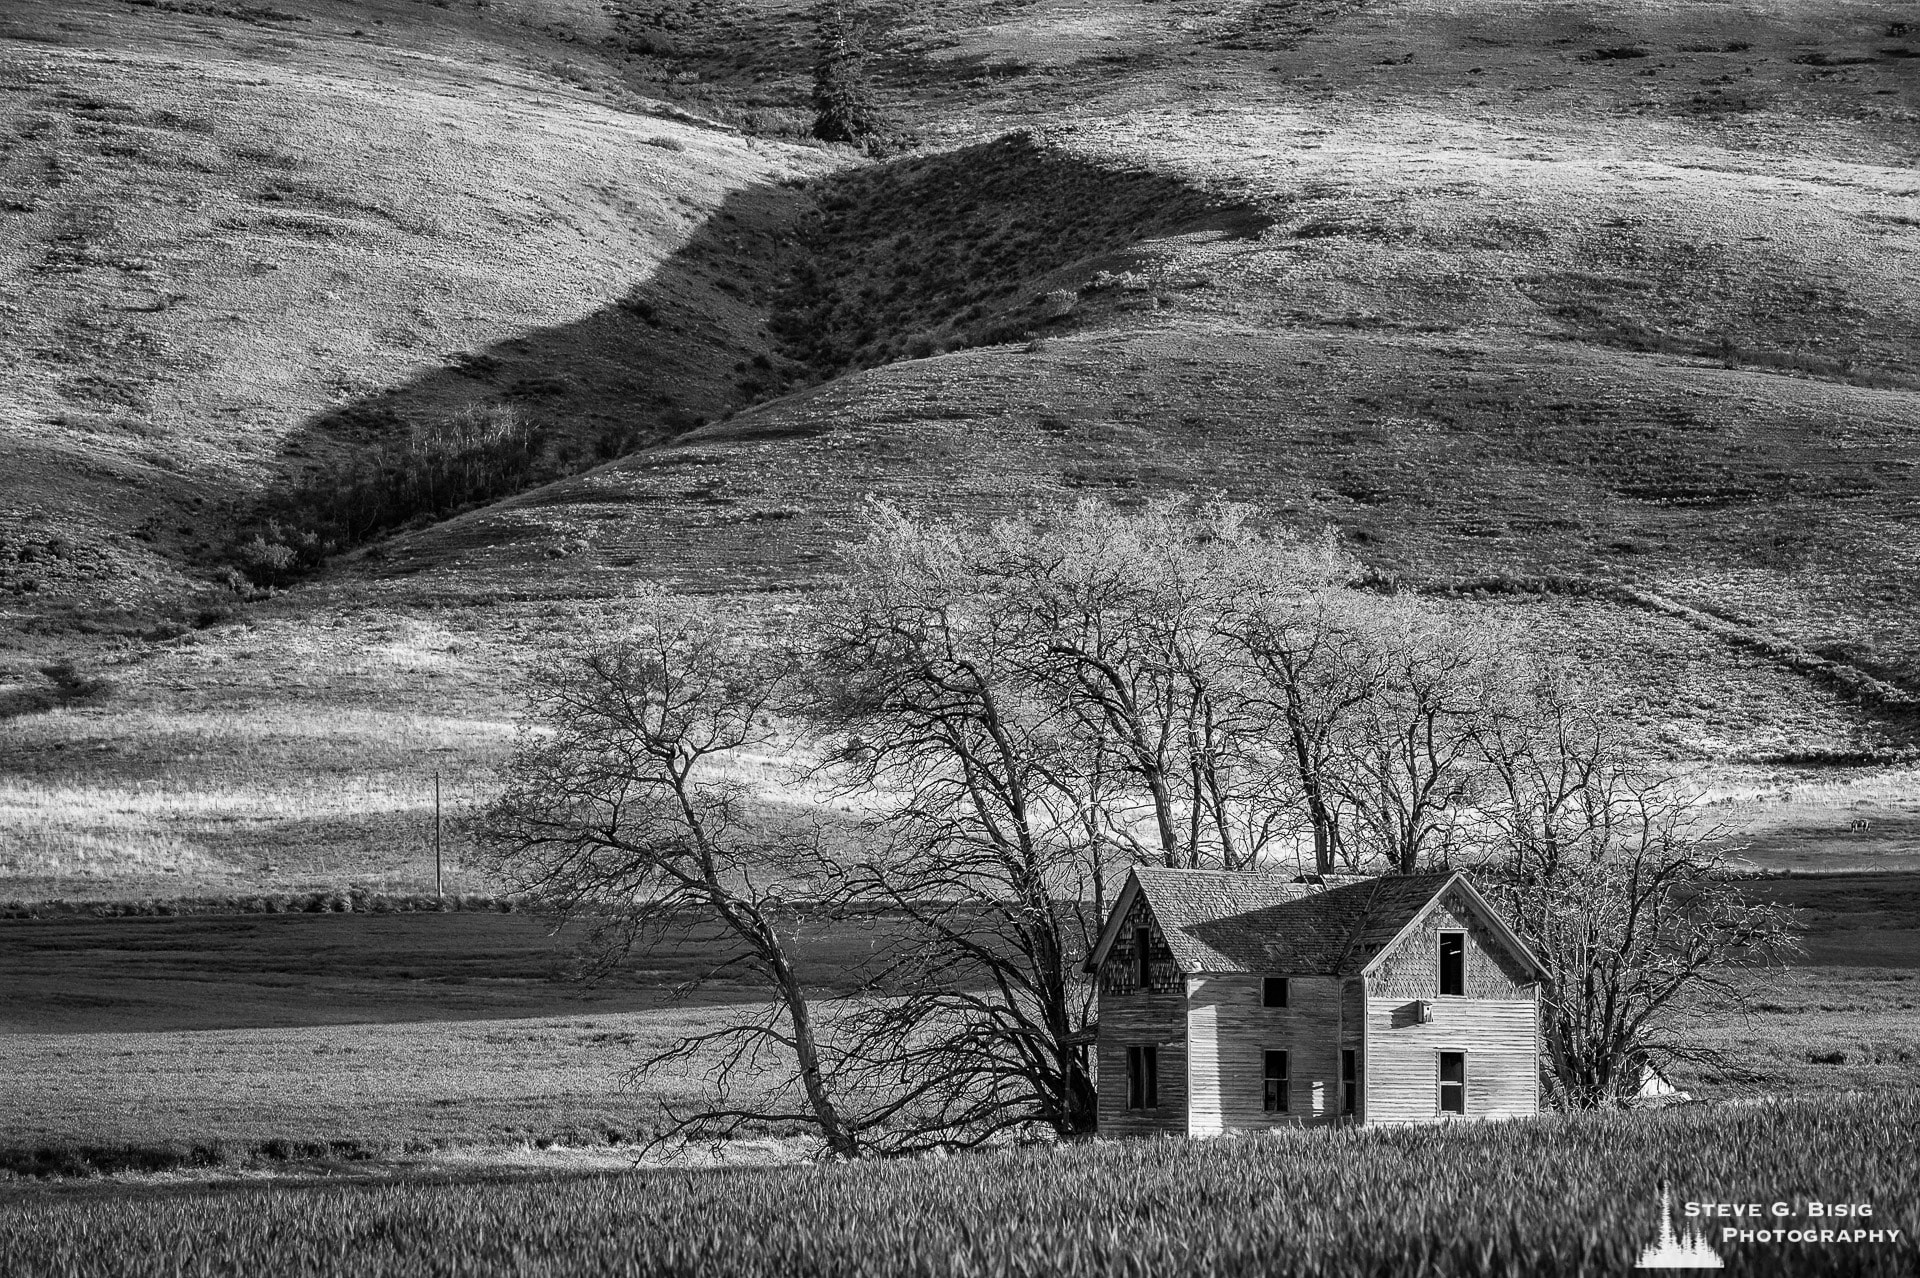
1841 1222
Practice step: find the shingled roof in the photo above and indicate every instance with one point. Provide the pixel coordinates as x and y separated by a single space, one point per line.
1225 921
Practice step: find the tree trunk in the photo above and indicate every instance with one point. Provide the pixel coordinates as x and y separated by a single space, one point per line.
1081 1113
807 1054
1325 841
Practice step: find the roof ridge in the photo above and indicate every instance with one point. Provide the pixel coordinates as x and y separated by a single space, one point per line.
1208 869
1269 920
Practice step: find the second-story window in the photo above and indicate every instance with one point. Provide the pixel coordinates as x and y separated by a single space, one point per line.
1273 992
1453 963
1142 958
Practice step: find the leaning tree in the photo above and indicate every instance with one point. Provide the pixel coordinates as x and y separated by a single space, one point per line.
624 812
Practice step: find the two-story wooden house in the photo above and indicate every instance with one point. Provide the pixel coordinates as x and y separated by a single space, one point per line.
1238 1001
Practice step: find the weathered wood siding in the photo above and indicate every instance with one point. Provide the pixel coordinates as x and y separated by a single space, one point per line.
1120 973
1130 1016
1228 1035
1403 1059
1353 1034
1135 1019
1412 969
1496 1023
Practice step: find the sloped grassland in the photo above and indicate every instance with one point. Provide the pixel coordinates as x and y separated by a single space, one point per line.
248 246
232 232
1506 294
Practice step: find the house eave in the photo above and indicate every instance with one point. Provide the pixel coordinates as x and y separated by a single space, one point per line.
1111 930
1480 906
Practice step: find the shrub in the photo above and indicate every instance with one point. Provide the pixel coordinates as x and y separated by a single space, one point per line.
1058 304
70 687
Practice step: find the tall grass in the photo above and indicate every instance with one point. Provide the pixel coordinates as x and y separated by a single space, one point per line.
1548 1197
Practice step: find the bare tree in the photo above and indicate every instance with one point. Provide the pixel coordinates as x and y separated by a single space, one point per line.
619 813
1561 781
1312 674
1033 708
984 841
1613 876
1020 714
1118 617
1405 766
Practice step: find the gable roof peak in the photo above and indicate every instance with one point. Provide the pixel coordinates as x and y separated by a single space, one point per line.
1271 921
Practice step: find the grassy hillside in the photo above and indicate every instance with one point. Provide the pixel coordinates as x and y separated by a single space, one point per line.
244 244
1596 297
1582 325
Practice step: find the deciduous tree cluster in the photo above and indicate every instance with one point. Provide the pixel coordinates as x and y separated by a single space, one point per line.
1013 717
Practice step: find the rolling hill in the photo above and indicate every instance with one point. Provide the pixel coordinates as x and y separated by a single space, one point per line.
1598 314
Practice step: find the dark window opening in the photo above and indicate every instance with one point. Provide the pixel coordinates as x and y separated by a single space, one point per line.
1142 962
1453 963
1273 992
1275 1100
1143 1077
1349 1080
1453 1082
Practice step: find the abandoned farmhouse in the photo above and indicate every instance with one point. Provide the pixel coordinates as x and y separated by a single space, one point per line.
1236 1002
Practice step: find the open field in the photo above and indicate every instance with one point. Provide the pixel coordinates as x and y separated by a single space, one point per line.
79 974
156 1042
1810 1032
382 1095
160 1099
1546 1197
260 971
381 1040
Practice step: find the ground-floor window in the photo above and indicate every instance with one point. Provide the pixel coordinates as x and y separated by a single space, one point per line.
1143 1077
1453 1082
1349 1080
1274 1101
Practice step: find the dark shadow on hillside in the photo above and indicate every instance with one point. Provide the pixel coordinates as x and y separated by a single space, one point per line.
784 285
974 247
1625 41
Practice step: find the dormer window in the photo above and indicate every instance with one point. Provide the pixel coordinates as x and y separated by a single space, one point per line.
1453 963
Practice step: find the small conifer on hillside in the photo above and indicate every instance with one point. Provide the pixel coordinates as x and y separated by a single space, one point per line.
843 99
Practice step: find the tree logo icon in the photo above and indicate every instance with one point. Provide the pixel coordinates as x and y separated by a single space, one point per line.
1684 1251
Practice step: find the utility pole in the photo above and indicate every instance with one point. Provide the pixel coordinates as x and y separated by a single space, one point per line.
439 889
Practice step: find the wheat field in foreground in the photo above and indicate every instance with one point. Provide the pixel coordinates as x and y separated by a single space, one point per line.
1554 1196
